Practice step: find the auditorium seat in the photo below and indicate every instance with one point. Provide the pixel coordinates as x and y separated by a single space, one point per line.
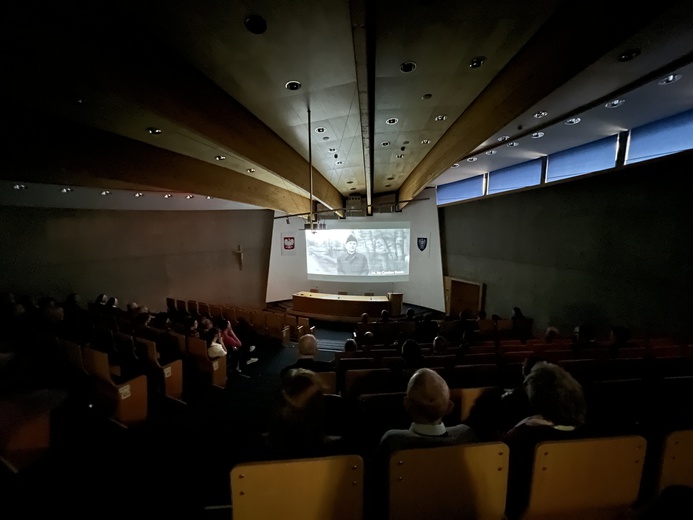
213 369
299 489
167 378
369 381
676 467
469 481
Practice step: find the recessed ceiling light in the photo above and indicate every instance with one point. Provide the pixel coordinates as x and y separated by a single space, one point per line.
408 66
220 157
168 196
471 159
513 144
350 182
392 121
390 178
209 198
537 135
671 78
320 129
385 143
492 152
255 23
400 155
427 96
339 163
615 103
426 141
66 190
628 55
190 196
105 192
326 138
80 101
154 131
250 170
388 185
503 138
332 150
352 189
293 85
405 142
441 117
19 187
139 194
540 114
455 165
572 121
477 62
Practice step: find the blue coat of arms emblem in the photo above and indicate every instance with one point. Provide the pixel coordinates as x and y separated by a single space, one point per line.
422 242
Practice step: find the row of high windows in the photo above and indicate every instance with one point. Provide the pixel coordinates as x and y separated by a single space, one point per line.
666 136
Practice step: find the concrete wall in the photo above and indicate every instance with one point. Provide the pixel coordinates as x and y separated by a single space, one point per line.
612 248
141 256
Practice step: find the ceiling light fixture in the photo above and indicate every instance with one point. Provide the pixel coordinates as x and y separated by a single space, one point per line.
492 152
503 138
408 66
209 198
455 165
392 121
190 197
537 135
628 55
540 114
331 150
477 62
615 103
385 143
427 96
352 189
255 23
154 131
320 130
220 157
168 196
400 155
513 144
471 159
441 117
66 190
350 182
139 194
391 178
388 185
339 163
105 192
572 121
426 141
19 187
250 170
293 85
671 78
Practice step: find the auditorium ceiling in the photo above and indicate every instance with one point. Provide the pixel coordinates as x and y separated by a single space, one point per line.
230 103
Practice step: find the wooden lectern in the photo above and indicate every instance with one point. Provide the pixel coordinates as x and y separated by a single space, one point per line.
395 303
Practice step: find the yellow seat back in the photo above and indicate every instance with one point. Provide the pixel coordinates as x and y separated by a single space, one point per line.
677 460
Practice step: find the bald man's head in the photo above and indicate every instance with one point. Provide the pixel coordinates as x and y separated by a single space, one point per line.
307 345
428 397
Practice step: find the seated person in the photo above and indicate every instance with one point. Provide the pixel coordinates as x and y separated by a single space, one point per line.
558 409
298 424
307 354
412 354
240 351
427 401
215 348
440 345
350 345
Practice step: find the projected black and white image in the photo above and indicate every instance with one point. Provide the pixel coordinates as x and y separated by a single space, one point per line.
358 252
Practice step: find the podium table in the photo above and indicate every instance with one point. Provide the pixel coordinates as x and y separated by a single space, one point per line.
337 307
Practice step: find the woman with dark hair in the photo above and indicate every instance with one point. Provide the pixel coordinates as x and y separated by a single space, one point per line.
411 352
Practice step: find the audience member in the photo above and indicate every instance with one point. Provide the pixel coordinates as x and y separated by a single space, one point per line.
558 409
619 337
384 316
412 354
552 333
240 351
410 315
307 354
350 345
215 348
440 345
427 401
426 329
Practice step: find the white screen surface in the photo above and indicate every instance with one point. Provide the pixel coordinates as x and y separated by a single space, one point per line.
376 254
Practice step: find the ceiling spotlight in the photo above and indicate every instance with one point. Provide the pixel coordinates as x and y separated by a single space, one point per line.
537 135
407 66
220 157
293 85
572 121
139 194
66 190
471 159
326 138
388 185
477 62
671 78
400 155
540 114
405 142
390 178
320 129
385 143
331 150
391 121
441 117
190 196
513 144
615 103
492 152
250 170
426 141
255 23
455 165
168 196
19 187
352 189
350 182
209 198
105 192
628 55
427 96
339 163
503 138
154 131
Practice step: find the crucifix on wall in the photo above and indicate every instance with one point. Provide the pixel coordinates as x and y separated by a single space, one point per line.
239 252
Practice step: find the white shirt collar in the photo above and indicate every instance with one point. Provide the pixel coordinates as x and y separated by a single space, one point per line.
430 430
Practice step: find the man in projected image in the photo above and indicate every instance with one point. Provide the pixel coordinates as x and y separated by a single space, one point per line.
351 262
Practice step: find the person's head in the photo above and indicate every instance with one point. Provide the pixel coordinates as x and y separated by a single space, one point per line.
133 307
190 323
551 334
482 314
555 395
384 315
350 345
411 351
307 346
364 317
517 313
440 345
495 317
112 302
143 319
368 338
205 323
212 335
428 397
351 244
619 335
410 313
72 300
101 299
